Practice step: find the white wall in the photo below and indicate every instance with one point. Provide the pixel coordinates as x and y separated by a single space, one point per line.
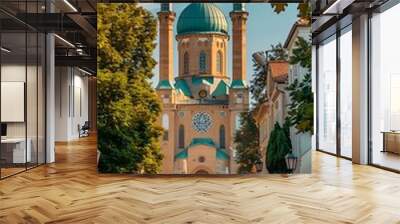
11 73
297 71
16 73
71 102
61 103
33 125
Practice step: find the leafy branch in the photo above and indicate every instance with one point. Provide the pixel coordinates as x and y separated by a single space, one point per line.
301 107
304 9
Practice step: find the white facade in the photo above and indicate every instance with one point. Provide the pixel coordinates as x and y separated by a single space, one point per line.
301 142
71 102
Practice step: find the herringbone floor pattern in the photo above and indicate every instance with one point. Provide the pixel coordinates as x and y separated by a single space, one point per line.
71 191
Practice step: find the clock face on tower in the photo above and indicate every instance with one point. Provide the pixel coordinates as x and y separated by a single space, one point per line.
201 121
202 93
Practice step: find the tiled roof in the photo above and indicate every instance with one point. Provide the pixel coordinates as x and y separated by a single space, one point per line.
182 86
164 84
196 80
202 18
238 84
182 154
202 141
221 90
221 154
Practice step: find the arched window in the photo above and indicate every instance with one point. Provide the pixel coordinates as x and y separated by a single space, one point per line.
165 125
181 140
219 61
186 63
165 121
237 122
202 61
222 136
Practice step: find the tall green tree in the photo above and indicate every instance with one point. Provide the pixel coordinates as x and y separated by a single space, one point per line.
126 39
279 145
128 107
301 107
246 141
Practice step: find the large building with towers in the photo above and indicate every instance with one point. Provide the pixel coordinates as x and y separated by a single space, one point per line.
202 104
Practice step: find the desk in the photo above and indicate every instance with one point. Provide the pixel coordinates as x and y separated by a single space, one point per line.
391 141
15 148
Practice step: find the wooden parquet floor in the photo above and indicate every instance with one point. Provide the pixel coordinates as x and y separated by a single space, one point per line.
71 191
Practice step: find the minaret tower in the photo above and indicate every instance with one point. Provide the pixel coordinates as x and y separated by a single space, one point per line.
239 31
238 93
166 19
165 88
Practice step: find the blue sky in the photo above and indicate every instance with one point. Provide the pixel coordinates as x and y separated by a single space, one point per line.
264 27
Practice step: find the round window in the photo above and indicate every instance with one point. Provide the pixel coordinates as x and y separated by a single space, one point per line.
201 122
202 159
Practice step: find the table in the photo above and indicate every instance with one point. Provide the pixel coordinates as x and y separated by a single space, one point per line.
391 141
13 150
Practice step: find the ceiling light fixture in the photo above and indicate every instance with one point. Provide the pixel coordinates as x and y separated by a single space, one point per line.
84 71
5 50
65 41
79 51
70 5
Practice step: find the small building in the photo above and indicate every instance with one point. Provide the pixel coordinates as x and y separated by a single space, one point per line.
274 108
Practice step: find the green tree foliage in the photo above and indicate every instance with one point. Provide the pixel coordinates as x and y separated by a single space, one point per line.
279 145
259 79
279 7
128 107
304 9
126 39
301 108
302 53
246 141
277 52
257 84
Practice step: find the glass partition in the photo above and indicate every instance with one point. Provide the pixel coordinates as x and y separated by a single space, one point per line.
346 92
385 89
22 77
327 95
14 154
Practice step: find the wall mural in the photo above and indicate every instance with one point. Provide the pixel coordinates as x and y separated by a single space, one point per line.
203 110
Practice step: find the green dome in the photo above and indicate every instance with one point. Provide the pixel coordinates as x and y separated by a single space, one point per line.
202 18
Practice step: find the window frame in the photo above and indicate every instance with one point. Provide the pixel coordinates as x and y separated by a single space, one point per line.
202 62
